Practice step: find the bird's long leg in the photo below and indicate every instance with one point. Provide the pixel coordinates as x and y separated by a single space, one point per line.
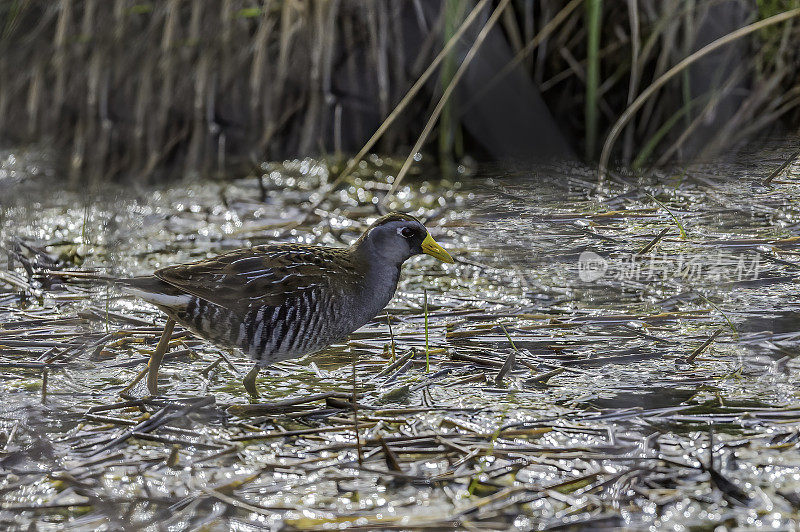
249 381
158 356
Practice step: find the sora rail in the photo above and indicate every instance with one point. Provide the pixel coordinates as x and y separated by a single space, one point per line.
280 301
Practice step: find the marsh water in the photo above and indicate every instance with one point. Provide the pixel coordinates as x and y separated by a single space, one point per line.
622 356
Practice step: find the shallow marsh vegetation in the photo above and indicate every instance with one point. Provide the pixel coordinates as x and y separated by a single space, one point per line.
588 365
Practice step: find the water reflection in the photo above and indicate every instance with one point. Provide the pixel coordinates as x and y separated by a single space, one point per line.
607 405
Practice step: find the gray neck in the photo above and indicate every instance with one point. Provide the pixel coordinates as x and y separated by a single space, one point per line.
380 283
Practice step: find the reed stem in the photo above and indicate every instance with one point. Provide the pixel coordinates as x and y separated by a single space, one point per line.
448 91
448 123
594 11
427 351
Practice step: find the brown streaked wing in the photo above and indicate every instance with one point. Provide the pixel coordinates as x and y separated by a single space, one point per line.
262 275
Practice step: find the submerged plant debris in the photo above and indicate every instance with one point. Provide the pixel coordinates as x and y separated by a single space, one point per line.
624 358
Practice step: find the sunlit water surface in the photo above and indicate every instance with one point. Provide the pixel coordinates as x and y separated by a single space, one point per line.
607 295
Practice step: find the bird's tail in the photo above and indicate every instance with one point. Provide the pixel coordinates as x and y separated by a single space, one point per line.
46 272
153 290
148 288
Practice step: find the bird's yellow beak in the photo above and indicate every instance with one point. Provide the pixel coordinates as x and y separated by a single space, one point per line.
430 247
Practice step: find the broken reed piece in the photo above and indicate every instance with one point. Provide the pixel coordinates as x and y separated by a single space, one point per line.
510 359
650 245
780 169
703 347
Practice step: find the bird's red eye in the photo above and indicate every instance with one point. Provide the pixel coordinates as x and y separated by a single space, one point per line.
407 232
